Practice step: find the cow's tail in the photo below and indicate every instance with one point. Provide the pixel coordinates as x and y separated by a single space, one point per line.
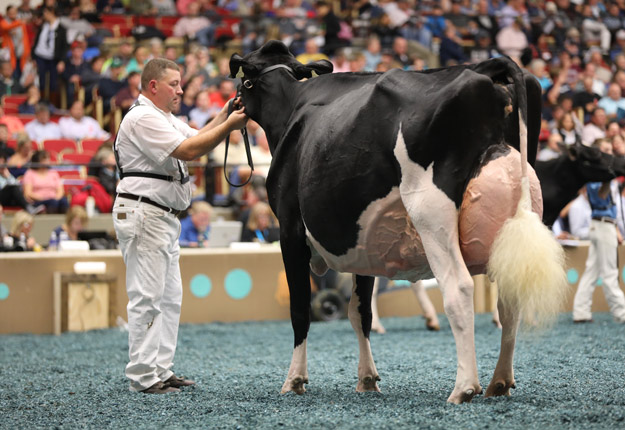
525 260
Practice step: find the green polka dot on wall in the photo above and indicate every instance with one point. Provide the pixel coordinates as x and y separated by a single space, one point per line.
572 276
238 284
201 286
4 291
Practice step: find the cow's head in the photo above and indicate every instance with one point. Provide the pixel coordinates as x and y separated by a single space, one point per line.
593 165
272 57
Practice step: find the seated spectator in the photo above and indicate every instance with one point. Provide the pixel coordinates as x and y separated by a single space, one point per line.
261 226
13 125
77 27
618 145
312 52
22 155
511 40
596 128
107 173
484 49
4 137
21 227
112 83
567 129
553 148
203 110
11 191
127 95
43 185
77 126
33 97
451 51
138 60
124 55
90 77
8 84
613 103
225 91
76 220
373 53
193 25
195 228
41 128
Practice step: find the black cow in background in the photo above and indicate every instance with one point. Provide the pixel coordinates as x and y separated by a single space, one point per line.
406 175
562 177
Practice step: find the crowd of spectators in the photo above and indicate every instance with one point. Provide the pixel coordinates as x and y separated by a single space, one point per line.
55 54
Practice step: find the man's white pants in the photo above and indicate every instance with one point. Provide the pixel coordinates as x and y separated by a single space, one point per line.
601 262
148 239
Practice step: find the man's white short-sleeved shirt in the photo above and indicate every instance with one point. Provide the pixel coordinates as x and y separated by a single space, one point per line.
146 138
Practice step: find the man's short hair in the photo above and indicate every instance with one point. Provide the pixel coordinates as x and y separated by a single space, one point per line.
41 107
155 70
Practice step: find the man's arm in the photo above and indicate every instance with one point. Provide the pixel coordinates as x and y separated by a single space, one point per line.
208 138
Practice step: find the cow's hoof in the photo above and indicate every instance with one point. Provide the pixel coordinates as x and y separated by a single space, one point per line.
295 384
460 396
368 383
432 324
378 328
499 387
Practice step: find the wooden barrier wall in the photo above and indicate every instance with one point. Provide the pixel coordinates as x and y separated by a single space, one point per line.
219 285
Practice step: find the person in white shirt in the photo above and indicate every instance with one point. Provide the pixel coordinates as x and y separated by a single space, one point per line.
77 126
151 148
595 129
41 128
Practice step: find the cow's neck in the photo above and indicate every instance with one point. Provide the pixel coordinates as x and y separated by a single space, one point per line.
276 107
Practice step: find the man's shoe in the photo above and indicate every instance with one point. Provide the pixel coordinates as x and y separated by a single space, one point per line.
177 382
160 388
583 321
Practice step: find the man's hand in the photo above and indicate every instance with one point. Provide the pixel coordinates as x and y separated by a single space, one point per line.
237 119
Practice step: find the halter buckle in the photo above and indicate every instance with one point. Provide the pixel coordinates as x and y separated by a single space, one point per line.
248 84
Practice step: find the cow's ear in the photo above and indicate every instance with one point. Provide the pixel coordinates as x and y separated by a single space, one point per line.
313 69
239 67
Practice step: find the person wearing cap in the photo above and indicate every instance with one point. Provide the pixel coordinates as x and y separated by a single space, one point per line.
151 148
74 67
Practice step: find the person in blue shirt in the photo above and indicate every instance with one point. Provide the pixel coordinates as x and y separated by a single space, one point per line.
602 255
195 229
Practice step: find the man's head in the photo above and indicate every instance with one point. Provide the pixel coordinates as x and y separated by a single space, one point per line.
42 113
201 213
599 117
77 110
226 88
160 82
6 70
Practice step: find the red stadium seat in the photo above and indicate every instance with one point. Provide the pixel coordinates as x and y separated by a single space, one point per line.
58 145
91 145
78 158
12 143
10 103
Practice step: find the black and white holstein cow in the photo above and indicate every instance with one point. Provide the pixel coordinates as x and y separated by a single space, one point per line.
560 180
410 176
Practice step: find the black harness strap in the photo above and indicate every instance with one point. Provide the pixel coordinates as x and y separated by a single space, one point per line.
246 140
183 179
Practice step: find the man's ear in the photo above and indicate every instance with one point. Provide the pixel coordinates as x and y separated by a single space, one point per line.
313 69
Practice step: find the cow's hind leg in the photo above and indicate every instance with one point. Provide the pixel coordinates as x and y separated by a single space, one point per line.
503 378
296 257
360 318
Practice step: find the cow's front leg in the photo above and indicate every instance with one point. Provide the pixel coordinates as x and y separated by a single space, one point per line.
376 324
296 257
503 378
360 316
429 312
